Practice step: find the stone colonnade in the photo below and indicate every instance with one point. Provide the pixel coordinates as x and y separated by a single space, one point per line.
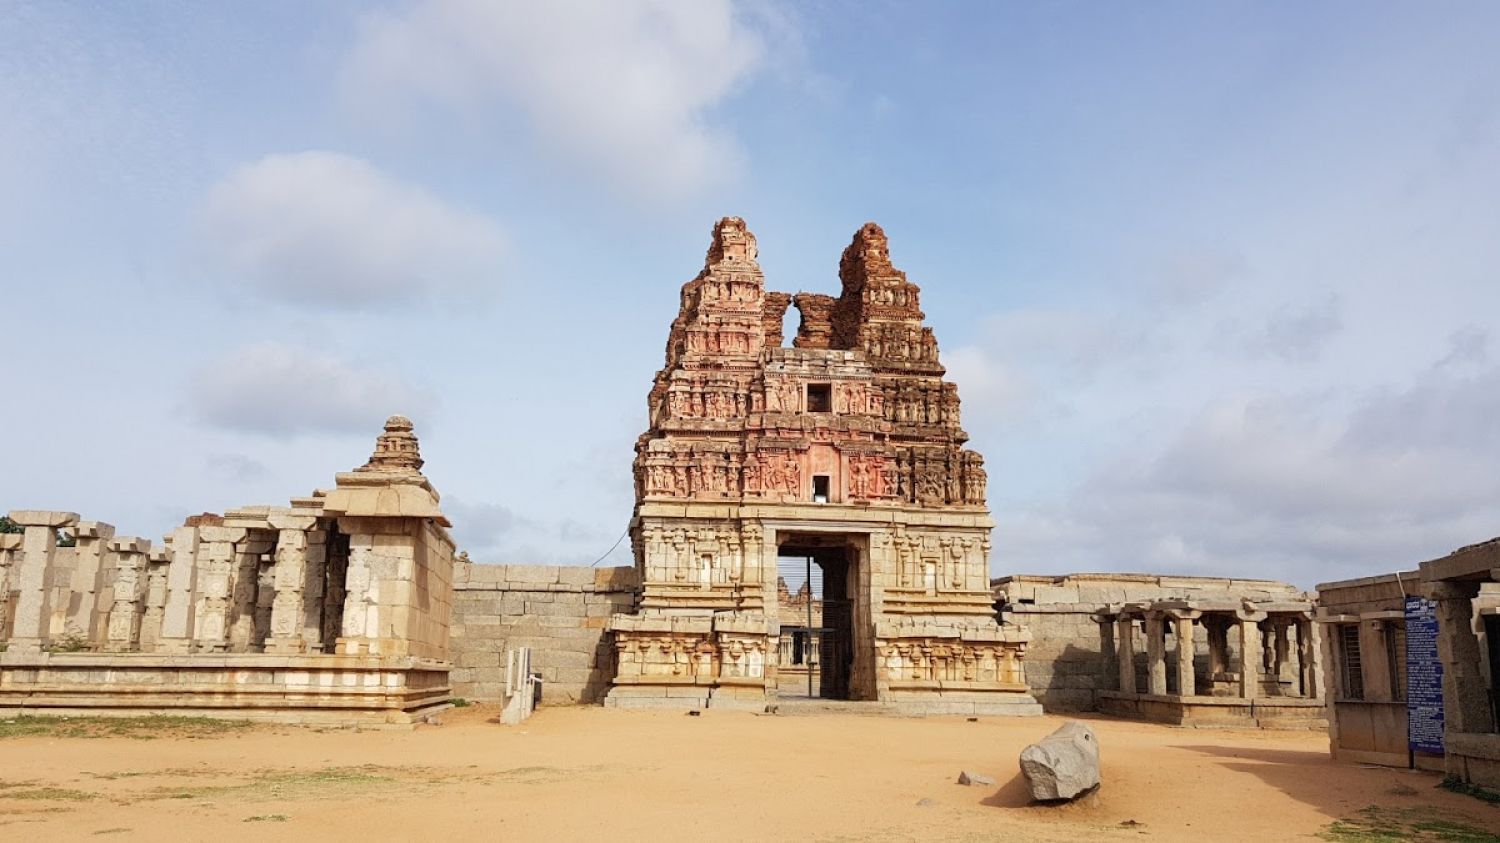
362 569
1275 650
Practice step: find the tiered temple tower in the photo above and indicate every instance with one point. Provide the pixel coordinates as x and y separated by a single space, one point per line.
845 448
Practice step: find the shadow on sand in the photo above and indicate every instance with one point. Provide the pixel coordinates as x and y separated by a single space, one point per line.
1314 779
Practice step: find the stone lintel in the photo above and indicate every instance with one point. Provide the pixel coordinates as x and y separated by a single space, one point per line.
94 530
1469 563
1458 590
209 535
130 544
286 520
43 518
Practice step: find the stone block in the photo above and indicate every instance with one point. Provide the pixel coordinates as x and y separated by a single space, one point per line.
1062 765
531 573
580 576
43 518
536 609
477 658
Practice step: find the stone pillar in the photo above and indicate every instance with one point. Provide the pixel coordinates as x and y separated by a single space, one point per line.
1187 680
1250 650
10 552
288 611
1218 646
156 599
313 589
265 595
31 628
1310 658
177 618
88 578
1374 671
1156 654
1285 673
1466 706
130 560
1125 647
215 561
245 632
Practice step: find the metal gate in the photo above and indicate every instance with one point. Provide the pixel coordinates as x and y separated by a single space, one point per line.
815 654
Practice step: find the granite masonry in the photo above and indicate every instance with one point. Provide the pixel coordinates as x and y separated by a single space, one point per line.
335 608
1106 642
845 448
558 612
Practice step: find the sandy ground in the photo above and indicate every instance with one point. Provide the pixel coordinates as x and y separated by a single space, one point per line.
592 773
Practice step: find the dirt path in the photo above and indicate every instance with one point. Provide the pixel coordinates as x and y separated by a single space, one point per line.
591 773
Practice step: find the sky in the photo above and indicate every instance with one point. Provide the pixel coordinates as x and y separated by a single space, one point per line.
1218 283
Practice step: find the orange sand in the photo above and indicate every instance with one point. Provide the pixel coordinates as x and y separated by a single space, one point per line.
597 774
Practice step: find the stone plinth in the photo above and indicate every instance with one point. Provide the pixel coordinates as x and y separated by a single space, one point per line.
355 690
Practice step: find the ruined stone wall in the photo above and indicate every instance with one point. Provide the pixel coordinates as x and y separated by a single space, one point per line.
560 612
1072 654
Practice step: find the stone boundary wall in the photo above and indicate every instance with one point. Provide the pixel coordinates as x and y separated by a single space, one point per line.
559 611
1071 654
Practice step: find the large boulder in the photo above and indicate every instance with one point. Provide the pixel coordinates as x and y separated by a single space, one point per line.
1064 764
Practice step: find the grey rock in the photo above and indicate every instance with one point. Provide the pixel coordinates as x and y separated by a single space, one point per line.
974 779
1062 765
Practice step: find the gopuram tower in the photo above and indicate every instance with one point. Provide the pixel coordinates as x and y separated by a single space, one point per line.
844 450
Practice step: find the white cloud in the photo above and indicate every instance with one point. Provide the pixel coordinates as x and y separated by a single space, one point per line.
276 389
623 86
328 230
1285 486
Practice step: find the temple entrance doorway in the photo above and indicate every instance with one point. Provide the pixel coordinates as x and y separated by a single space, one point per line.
817 594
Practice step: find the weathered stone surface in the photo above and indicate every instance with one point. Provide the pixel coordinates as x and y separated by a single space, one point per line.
255 597
501 607
975 779
854 424
1064 764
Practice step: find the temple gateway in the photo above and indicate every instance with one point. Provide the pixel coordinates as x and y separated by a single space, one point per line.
844 451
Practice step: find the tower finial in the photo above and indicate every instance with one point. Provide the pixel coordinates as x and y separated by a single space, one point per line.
396 449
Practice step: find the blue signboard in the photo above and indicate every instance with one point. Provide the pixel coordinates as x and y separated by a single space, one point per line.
1424 678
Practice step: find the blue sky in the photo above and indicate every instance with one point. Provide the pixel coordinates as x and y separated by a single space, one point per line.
1218 282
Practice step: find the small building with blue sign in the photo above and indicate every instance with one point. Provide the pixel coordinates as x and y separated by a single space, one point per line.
1463 601
1383 682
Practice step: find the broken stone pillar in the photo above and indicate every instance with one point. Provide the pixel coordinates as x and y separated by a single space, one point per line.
31 628
129 593
1062 765
88 579
288 612
1125 644
159 560
215 563
177 618
1187 679
1156 655
1250 654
